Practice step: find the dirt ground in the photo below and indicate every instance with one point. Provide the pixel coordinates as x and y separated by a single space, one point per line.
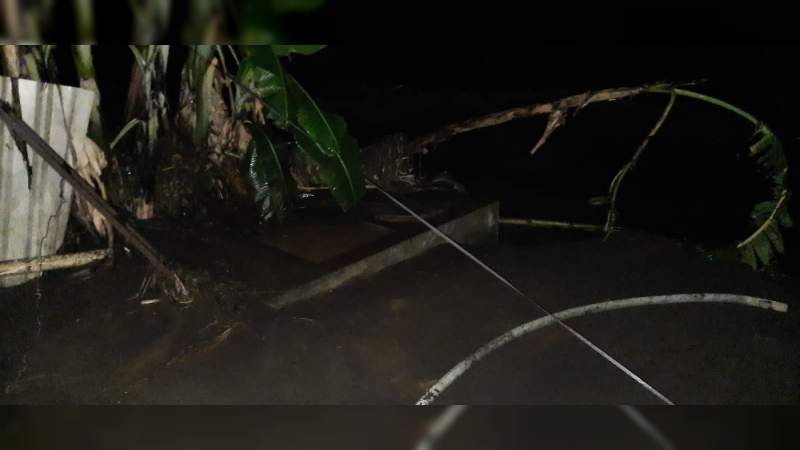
73 338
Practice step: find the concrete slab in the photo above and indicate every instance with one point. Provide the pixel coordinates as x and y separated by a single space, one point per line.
321 243
479 225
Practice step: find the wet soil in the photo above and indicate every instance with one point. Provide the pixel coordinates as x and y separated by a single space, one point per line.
385 339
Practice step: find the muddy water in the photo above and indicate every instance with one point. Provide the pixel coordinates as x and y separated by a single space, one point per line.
385 339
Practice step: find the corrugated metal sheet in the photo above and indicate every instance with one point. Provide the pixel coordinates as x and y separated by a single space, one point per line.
33 221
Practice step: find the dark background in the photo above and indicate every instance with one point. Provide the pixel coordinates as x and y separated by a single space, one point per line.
694 181
389 22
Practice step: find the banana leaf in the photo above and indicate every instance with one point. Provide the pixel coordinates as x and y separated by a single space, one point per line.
262 72
761 247
320 135
265 171
340 171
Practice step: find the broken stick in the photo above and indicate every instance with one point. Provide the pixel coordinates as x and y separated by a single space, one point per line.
538 223
52 262
22 131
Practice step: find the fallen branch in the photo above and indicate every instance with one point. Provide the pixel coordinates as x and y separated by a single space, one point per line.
758 248
21 130
556 109
537 223
459 369
52 262
522 112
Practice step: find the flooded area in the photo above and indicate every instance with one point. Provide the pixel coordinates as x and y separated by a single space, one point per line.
78 337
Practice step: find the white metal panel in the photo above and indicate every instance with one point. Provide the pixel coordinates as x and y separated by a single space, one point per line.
33 221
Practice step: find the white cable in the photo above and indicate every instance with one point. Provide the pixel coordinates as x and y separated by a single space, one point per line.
502 279
459 369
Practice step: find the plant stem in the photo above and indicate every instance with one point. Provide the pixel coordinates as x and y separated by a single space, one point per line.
707 99
537 223
617 181
82 54
128 126
11 58
138 56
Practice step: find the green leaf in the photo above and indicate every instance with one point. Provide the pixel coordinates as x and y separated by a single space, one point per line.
774 235
763 249
769 153
762 211
321 136
285 50
341 171
316 123
768 238
266 175
82 55
748 255
784 219
262 71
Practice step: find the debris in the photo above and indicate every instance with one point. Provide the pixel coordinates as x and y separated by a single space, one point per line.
204 347
35 210
52 262
174 286
91 161
537 223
